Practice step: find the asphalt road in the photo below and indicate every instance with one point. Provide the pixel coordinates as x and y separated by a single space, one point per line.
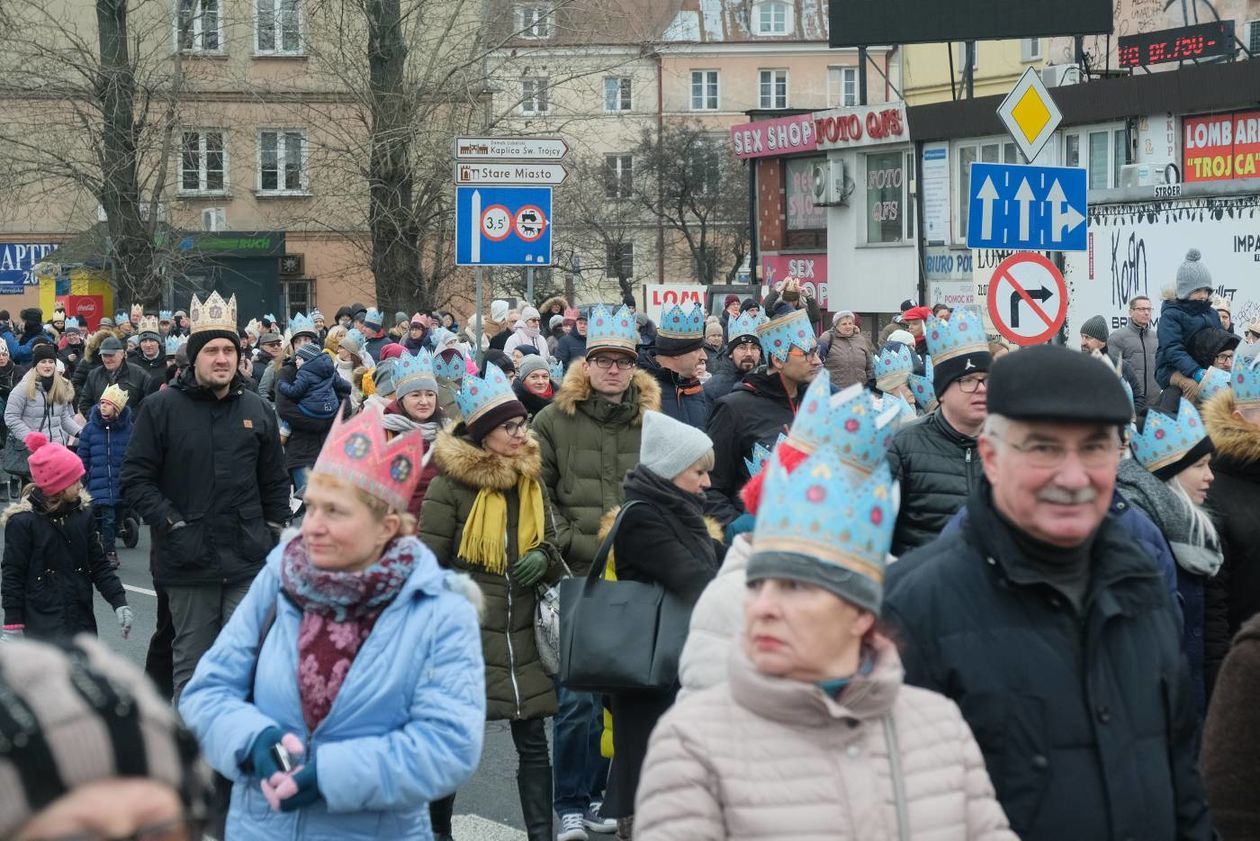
487 807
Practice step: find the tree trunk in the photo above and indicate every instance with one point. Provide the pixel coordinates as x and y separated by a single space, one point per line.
395 256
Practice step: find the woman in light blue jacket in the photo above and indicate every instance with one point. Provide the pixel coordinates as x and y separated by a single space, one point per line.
347 691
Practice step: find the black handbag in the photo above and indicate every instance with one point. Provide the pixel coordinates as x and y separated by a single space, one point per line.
619 636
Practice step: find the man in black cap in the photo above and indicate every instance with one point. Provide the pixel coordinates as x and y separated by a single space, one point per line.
1094 338
672 362
742 355
114 370
150 354
1050 628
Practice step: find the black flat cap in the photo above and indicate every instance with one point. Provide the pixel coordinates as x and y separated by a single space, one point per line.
1047 382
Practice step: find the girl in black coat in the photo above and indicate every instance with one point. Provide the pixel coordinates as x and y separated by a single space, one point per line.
664 538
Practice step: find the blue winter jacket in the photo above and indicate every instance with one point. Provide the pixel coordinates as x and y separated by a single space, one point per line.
405 729
1178 321
317 389
21 351
102 445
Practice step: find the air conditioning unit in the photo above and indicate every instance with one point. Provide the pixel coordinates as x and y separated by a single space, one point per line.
1057 75
829 184
1144 175
293 265
213 219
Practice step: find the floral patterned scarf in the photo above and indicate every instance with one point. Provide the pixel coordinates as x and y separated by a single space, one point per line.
339 610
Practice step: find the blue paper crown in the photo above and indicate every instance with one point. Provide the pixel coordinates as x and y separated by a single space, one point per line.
556 370
164 315
779 335
851 421
355 335
299 323
745 325
1213 383
961 334
477 396
71 323
823 511
921 386
1163 439
120 317
452 369
417 368
901 412
760 454
173 344
614 331
893 367
374 316
1246 380
270 318
677 323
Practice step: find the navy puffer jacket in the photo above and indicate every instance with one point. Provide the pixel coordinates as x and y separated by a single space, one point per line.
102 445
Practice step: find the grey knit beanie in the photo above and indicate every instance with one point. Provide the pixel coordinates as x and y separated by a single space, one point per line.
668 447
1192 275
383 377
529 364
1095 328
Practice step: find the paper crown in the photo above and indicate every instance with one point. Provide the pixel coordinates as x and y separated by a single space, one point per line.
677 323
1246 379
780 335
173 344
556 370
120 317
611 331
270 318
449 365
356 452
213 313
299 323
921 386
414 370
823 512
374 317
760 454
355 337
114 394
477 396
893 367
72 323
1164 439
745 325
1213 383
164 315
961 334
137 312
148 324
850 421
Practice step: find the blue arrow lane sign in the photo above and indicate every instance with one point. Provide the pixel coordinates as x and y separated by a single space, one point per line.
503 226
1027 208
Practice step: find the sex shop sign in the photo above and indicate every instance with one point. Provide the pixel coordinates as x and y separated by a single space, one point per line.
809 269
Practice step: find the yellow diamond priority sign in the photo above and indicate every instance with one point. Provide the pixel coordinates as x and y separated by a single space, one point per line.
1029 114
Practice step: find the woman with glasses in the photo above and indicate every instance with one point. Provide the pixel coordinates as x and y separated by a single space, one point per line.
487 514
528 332
415 406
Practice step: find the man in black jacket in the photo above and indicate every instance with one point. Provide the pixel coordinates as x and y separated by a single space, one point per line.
741 356
114 370
150 355
205 470
673 361
572 345
1052 631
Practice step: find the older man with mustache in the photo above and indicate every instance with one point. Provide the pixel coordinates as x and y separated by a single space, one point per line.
1046 623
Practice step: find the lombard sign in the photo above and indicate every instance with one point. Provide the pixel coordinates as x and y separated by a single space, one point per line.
771 138
16 261
1222 147
845 128
663 296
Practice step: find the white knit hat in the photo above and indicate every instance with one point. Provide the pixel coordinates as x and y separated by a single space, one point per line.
498 311
668 447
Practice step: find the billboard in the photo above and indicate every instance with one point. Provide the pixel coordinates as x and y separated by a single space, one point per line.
865 23
1221 147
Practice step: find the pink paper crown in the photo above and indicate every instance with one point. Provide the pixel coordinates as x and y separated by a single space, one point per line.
356 452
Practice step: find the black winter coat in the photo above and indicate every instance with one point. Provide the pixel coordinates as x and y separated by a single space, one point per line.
50 566
155 368
1233 500
756 412
938 467
215 464
682 399
1086 723
306 434
71 356
725 377
570 348
128 376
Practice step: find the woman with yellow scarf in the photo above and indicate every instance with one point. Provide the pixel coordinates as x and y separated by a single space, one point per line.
486 514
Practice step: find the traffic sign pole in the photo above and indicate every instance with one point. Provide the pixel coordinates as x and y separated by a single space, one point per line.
477 283
529 288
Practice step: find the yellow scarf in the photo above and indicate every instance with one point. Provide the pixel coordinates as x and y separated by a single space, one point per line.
484 542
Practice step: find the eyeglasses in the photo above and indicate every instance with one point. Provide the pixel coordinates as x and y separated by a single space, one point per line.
1226 356
623 363
514 427
798 353
271 344
179 829
1048 454
970 385
531 321
1140 309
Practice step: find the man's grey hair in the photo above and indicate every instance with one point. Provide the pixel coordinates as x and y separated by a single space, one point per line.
995 426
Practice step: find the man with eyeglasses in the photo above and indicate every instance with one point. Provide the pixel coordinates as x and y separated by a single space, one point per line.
1049 626
1094 339
1136 343
589 437
935 459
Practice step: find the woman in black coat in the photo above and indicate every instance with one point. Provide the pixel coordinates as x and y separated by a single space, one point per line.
664 538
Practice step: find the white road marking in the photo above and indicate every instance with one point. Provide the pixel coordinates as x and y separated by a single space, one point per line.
474 828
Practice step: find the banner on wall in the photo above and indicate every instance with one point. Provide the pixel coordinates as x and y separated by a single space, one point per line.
809 269
1221 147
1135 249
16 261
663 296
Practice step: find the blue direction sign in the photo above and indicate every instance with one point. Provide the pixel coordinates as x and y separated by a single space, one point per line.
1027 208
503 226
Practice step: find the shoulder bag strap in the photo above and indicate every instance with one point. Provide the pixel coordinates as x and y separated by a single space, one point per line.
898 782
601 555
269 619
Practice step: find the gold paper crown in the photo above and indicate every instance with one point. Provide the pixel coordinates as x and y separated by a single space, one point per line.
137 312
212 314
149 324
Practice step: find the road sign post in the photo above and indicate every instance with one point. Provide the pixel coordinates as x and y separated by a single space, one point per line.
1027 299
1027 208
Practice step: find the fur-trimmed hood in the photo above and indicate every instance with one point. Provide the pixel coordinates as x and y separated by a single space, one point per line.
549 303
465 462
24 504
576 389
1234 438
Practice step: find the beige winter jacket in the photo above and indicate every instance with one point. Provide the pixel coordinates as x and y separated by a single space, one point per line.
717 618
767 759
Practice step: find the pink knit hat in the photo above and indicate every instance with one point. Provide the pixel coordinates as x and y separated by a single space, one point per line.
53 467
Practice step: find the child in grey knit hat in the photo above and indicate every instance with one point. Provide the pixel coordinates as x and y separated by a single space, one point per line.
1186 310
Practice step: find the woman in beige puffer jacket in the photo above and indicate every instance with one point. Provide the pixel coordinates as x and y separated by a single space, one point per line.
762 758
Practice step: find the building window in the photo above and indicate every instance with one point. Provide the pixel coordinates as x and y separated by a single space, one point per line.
1029 49
772 17
1253 38
199 26
282 162
534 96
297 295
618 176
704 90
842 86
1101 151
774 89
278 27
990 152
889 212
619 259
533 21
617 94
962 57
203 162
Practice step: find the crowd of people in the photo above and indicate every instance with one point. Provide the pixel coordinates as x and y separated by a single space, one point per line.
931 586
